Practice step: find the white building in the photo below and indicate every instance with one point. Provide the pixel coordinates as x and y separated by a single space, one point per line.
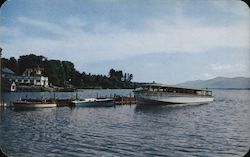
30 80
30 77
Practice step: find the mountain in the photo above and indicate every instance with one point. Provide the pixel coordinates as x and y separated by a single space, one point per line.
219 82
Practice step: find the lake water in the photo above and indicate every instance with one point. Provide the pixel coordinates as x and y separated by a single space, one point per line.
218 129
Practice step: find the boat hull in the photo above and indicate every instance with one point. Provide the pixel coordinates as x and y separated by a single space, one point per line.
163 98
33 105
94 103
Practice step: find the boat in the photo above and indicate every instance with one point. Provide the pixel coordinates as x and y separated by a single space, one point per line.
164 94
22 104
94 102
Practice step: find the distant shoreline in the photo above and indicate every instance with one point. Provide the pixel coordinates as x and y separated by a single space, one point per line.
64 90
230 88
74 90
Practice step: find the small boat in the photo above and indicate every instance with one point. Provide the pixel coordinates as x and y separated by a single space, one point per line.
163 94
33 104
94 102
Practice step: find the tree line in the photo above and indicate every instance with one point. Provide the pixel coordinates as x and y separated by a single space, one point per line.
64 74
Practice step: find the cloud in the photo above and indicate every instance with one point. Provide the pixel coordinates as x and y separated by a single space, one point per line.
228 67
228 70
208 76
130 31
111 41
50 27
240 7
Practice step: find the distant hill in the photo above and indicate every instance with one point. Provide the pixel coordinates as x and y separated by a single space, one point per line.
219 82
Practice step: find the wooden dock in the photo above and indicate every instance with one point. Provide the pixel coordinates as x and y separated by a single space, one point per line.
121 100
118 100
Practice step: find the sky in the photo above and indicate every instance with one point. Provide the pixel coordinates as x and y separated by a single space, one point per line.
166 41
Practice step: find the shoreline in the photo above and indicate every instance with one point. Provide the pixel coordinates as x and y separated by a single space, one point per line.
59 89
31 90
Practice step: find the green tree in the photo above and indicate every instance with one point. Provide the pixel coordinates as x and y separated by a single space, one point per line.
54 70
117 75
130 77
69 70
10 63
30 61
62 73
77 79
13 65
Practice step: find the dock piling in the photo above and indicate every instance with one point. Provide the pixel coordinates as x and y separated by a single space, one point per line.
130 99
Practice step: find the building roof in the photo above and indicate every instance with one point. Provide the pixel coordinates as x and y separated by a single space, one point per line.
27 77
7 71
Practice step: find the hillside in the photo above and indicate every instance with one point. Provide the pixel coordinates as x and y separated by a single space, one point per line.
219 82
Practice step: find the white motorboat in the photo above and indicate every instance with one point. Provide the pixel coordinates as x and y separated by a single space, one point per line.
22 104
163 94
94 102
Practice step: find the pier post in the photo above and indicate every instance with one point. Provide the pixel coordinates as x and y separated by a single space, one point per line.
76 94
1 100
130 99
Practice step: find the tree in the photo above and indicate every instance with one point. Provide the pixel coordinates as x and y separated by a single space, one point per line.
130 77
112 73
54 70
30 61
12 64
69 70
77 79
117 75
63 73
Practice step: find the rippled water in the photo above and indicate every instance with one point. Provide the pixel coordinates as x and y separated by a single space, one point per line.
217 129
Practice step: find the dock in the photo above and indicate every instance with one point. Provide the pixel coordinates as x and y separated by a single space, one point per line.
118 100
122 100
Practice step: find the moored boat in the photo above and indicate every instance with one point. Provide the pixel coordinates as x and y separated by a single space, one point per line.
22 104
94 102
163 94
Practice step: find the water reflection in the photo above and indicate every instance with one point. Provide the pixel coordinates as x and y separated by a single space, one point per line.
166 108
1 115
32 109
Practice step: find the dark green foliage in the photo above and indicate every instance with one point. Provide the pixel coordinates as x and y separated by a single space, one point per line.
69 70
64 74
116 75
11 64
55 71
30 61
77 79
